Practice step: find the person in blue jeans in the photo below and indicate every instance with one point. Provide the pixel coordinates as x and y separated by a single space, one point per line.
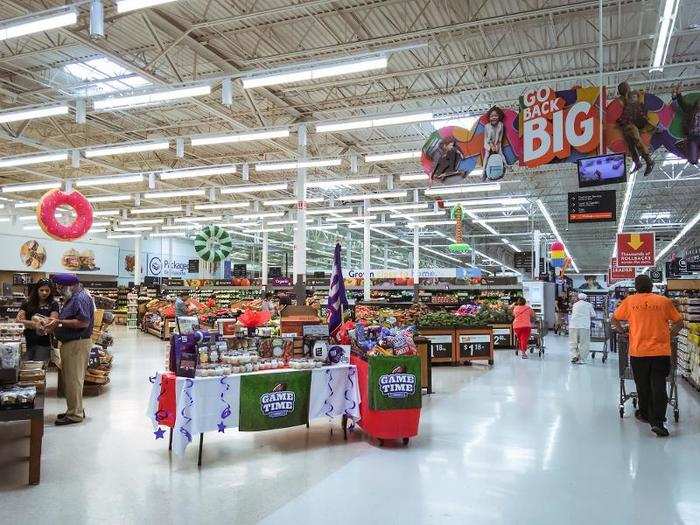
41 302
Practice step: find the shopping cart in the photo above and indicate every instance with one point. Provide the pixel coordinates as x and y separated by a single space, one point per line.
536 341
601 333
622 343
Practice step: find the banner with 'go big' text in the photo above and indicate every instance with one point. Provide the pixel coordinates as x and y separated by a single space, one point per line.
559 124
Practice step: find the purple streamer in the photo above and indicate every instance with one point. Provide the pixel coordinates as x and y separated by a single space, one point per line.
160 415
226 412
188 385
152 379
326 402
352 385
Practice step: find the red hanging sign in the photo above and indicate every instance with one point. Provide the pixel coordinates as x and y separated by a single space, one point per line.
635 249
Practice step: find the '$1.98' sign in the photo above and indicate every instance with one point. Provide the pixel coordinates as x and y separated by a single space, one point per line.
553 122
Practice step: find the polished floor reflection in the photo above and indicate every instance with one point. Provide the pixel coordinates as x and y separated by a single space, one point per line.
527 442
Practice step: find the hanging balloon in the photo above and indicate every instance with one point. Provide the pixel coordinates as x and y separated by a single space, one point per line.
458 246
213 244
557 254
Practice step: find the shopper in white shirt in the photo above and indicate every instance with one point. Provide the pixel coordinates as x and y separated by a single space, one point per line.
580 329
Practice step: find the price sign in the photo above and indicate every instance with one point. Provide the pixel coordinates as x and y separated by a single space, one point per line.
502 338
475 345
440 346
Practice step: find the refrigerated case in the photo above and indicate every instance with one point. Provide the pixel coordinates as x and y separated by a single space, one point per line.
541 297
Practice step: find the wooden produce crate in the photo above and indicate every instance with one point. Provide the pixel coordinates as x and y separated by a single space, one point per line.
474 344
441 344
294 318
426 371
502 336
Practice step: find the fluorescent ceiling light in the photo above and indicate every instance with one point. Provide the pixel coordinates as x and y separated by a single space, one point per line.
629 189
429 223
26 160
329 211
211 218
414 177
255 216
189 226
396 207
127 148
109 180
496 209
375 122
167 234
292 165
31 24
655 215
506 201
518 218
322 227
662 39
374 225
287 222
553 227
99 224
123 236
124 6
105 213
467 188
255 188
24 218
156 97
161 209
174 194
31 228
352 219
34 186
289 202
419 214
203 140
132 228
103 76
393 156
222 206
29 204
384 195
300 74
342 182
110 198
140 222
691 223
32 113
5 219
460 122
197 172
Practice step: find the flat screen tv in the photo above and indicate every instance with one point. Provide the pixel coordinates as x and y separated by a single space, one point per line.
600 170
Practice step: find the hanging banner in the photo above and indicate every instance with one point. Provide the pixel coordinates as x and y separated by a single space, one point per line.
559 125
619 273
592 206
274 400
635 249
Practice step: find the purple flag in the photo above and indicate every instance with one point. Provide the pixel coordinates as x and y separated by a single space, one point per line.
336 294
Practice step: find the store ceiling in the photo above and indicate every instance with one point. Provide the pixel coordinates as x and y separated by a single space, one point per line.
452 57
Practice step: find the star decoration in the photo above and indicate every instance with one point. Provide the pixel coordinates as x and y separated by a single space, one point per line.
159 433
221 426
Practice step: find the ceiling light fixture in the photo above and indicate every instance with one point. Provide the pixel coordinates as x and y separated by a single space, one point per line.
293 165
30 204
555 231
127 148
204 140
505 201
374 225
168 234
662 40
397 207
109 198
132 228
140 222
255 216
425 224
515 218
373 123
190 173
342 182
37 23
109 180
123 235
189 226
329 211
222 206
254 189
33 186
211 218
498 209
105 213
147 99
393 156
467 188
124 6
161 209
174 194
298 74
352 219
26 160
418 214
691 223
289 202
19 114
368 196
414 177
631 179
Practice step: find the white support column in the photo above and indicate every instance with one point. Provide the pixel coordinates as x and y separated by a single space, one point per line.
416 247
264 258
366 247
536 254
348 251
137 261
386 255
170 256
300 231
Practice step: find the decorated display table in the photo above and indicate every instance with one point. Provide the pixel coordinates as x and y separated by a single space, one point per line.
253 401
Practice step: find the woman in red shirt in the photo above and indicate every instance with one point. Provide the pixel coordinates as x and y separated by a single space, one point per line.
523 316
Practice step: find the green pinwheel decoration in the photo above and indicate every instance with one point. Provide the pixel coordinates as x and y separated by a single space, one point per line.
213 244
459 246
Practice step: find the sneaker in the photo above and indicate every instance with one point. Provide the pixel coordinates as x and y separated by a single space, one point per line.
641 417
574 360
65 421
524 355
62 415
660 431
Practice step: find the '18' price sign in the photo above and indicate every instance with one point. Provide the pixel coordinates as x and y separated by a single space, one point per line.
475 345
440 346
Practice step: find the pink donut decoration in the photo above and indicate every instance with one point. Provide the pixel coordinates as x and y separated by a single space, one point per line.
46 215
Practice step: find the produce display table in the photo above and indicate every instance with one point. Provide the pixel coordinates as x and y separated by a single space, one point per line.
460 345
441 343
502 336
253 401
379 393
36 417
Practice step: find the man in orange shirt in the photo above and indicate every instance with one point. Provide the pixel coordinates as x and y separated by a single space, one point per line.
650 336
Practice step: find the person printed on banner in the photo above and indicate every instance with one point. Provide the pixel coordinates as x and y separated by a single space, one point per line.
493 138
73 329
523 317
633 119
691 125
580 329
449 157
653 322
34 313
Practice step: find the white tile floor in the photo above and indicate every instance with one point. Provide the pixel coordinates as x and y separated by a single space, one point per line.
527 442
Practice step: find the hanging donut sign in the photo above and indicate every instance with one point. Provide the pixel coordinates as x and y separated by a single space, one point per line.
46 215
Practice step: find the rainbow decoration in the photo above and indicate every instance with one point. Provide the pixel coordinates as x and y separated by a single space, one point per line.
557 254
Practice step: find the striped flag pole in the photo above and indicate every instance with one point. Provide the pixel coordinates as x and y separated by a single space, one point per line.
337 298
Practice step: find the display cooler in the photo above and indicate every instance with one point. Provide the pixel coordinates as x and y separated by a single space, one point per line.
391 396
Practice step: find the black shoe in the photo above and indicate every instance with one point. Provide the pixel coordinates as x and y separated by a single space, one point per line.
641 417
647 171
65 421
62 415
574 360
660 431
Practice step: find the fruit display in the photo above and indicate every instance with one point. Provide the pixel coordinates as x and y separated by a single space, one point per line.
379 340
386 316
467 316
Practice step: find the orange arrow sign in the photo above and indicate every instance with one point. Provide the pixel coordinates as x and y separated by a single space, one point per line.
635 241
